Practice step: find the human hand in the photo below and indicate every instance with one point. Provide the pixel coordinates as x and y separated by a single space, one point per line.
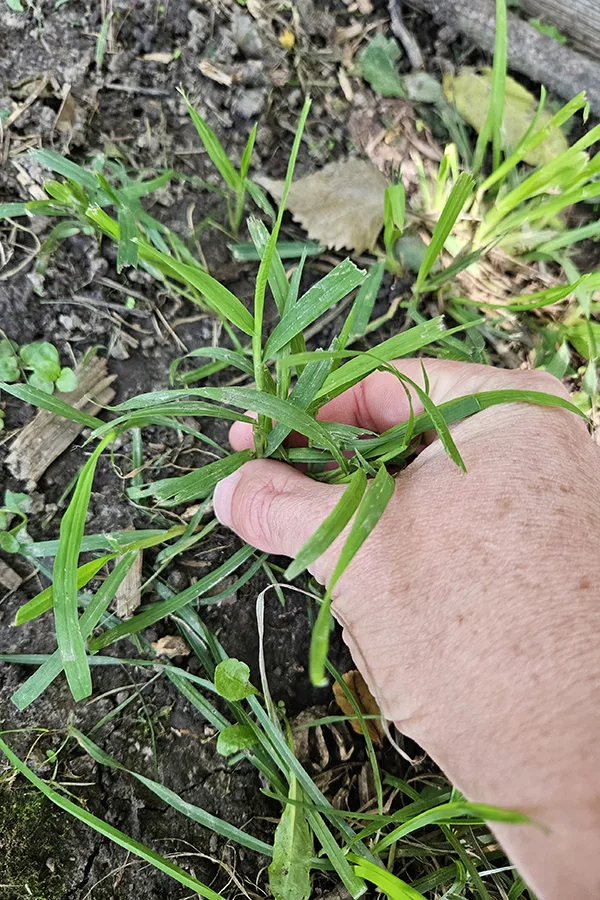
472 609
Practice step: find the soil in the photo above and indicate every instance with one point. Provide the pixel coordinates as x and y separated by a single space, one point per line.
126 106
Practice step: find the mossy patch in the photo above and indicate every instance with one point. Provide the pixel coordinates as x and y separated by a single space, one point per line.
30 836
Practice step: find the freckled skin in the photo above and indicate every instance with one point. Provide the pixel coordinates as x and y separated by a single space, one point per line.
471 609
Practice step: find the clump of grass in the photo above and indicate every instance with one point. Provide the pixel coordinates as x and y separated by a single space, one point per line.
289 384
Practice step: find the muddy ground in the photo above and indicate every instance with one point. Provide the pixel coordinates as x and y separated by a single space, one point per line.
126 106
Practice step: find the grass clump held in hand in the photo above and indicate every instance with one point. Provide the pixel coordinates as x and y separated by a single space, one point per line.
286 385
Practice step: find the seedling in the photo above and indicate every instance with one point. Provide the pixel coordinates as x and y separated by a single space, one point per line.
13 536
38 364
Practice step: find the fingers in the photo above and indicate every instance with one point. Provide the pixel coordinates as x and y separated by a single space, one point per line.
379 401
273 506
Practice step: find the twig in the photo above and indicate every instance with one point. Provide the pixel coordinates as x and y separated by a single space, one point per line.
406 38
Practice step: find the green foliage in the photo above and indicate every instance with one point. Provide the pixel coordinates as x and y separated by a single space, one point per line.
38 363
235 738
14 537
232 680
289 872
377 65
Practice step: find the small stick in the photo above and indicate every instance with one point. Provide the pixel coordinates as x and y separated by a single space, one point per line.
408 40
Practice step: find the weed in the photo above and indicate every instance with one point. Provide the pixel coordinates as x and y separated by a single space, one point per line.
471 220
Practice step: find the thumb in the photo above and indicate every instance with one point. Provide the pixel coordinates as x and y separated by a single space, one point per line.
273 506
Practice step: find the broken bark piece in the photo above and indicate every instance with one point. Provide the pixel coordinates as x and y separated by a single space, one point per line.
9 579
43 439
128 596
561 69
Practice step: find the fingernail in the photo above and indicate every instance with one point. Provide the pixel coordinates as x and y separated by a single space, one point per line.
223 498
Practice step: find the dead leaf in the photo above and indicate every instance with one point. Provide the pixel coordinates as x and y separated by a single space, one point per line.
171 645
66 116
386 131
339 206
366 701
470 92
128 596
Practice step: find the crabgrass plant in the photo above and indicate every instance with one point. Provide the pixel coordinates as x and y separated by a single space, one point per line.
287 386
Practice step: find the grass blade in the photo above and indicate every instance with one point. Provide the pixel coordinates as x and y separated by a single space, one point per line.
214 149
371 509
365 299
332 526
8 210
157 611
193 486
275 408
318 299
453 810
37 683
454 204
71 643
562 116
106 830
400 345
53 404
385 881
492 128
215 824
127 248
310 381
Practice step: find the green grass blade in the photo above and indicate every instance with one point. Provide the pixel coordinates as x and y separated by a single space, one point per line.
365 299
318 299
454 810
277 278
454 204
106 830
331 527
368 514
310 381
570 237
37 683
248 151
57 163
492 128
273 407
213 823
534 300
224 354
400 345
266 261
461 408
53 404
393 888
44 601
127 248
193 486
214 148
562 116
137 189
217 295
157 611
71 643
8 210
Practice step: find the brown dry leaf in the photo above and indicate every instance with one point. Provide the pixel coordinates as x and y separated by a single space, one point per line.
385 130
66 116
171 645
339 206
366 701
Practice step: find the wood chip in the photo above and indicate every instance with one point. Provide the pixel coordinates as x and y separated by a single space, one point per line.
128 596
164 58
47 435
209 70
9 578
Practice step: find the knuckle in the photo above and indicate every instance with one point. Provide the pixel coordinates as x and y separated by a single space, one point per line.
257 509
